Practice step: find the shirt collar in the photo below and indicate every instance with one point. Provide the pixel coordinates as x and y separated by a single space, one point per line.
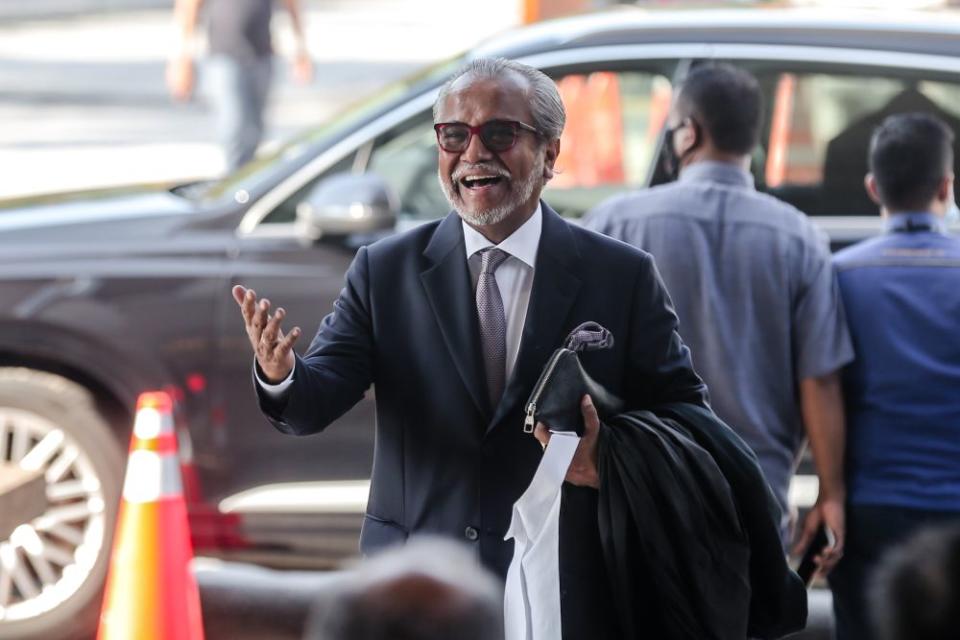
712 171
913 221
521 244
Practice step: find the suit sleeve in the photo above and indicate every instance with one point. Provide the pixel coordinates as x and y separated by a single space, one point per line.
338 366
661 369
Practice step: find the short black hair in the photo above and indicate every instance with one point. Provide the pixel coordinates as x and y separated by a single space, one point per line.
727 102
910 153
915 593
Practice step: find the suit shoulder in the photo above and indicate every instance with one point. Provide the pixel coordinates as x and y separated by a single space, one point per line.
410 242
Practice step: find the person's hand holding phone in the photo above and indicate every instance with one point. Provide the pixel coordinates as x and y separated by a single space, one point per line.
820 544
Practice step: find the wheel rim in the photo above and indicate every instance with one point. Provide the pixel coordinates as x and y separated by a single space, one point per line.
47 560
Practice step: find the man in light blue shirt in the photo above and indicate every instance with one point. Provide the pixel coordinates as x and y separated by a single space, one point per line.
753 287
902 296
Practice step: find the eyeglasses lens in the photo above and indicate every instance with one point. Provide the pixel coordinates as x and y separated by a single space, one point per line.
496 136
454 137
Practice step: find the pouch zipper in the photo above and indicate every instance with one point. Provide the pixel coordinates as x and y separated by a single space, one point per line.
529 421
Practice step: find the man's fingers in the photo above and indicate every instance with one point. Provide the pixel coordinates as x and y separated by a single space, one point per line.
833 553
272 329
259 320
591 421
248 306
810 525
239 293
542 434
286 343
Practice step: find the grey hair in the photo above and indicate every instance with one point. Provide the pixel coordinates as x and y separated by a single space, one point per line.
546 106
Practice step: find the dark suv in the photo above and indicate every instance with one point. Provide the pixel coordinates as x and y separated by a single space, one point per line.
109 294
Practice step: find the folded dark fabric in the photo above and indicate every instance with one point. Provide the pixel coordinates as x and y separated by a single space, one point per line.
676 552
779 601
687 526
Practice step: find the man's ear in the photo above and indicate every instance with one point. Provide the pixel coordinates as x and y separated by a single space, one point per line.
870 184
551 151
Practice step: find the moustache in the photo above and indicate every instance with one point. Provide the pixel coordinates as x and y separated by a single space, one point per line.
493 170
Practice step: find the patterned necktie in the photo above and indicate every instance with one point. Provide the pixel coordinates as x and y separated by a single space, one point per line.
493 323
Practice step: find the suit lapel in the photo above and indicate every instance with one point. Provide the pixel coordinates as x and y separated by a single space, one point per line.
450 291
555 286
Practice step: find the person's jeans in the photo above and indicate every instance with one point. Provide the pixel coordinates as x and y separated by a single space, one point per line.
871 531
239 92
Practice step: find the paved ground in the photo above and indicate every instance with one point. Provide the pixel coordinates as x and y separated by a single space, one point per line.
82 99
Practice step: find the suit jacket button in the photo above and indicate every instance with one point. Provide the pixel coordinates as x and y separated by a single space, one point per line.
471 534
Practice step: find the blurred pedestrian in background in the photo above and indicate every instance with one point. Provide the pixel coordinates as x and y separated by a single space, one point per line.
902 296
430 589
753 287
916 591
239 66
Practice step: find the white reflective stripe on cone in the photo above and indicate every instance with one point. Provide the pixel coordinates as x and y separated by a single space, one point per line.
151 423
152 476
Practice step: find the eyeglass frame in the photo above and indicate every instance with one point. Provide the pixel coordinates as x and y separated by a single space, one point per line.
476 130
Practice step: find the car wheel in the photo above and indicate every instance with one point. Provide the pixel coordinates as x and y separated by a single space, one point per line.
53 559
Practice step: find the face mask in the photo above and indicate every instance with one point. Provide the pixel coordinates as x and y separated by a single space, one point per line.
672 162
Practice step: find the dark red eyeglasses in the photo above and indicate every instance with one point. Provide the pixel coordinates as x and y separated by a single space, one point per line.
497 135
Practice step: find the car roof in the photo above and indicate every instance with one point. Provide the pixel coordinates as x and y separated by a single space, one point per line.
916 32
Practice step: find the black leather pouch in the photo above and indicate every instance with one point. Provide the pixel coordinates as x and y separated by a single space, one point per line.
555 400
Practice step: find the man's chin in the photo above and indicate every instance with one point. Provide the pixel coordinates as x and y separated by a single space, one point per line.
483 218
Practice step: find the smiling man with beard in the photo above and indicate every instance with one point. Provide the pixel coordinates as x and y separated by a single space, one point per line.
453 322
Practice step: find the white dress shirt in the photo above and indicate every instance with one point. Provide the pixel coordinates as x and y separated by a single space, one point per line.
514 279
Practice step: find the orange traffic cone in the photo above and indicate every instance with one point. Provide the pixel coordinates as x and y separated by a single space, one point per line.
151 593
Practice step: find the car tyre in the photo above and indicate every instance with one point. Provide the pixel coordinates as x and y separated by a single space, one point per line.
53 567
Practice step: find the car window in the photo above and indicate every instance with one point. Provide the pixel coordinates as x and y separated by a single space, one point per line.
614 120
406 158
813 150
286 211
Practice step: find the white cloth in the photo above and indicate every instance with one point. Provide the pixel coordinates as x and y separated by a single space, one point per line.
514 279
531 601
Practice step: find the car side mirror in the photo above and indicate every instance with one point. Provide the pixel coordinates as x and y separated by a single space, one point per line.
344 204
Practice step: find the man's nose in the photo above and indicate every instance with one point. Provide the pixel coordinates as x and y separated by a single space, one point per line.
476 151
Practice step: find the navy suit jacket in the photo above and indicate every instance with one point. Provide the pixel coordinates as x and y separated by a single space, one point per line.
445 461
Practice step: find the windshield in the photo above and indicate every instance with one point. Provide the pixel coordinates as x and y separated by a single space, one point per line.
300 149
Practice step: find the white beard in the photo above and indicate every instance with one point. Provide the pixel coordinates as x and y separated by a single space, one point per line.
519 194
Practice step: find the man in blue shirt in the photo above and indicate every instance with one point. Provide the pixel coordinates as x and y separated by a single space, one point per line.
901 292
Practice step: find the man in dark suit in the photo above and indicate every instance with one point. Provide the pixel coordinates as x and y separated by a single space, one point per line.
453 322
